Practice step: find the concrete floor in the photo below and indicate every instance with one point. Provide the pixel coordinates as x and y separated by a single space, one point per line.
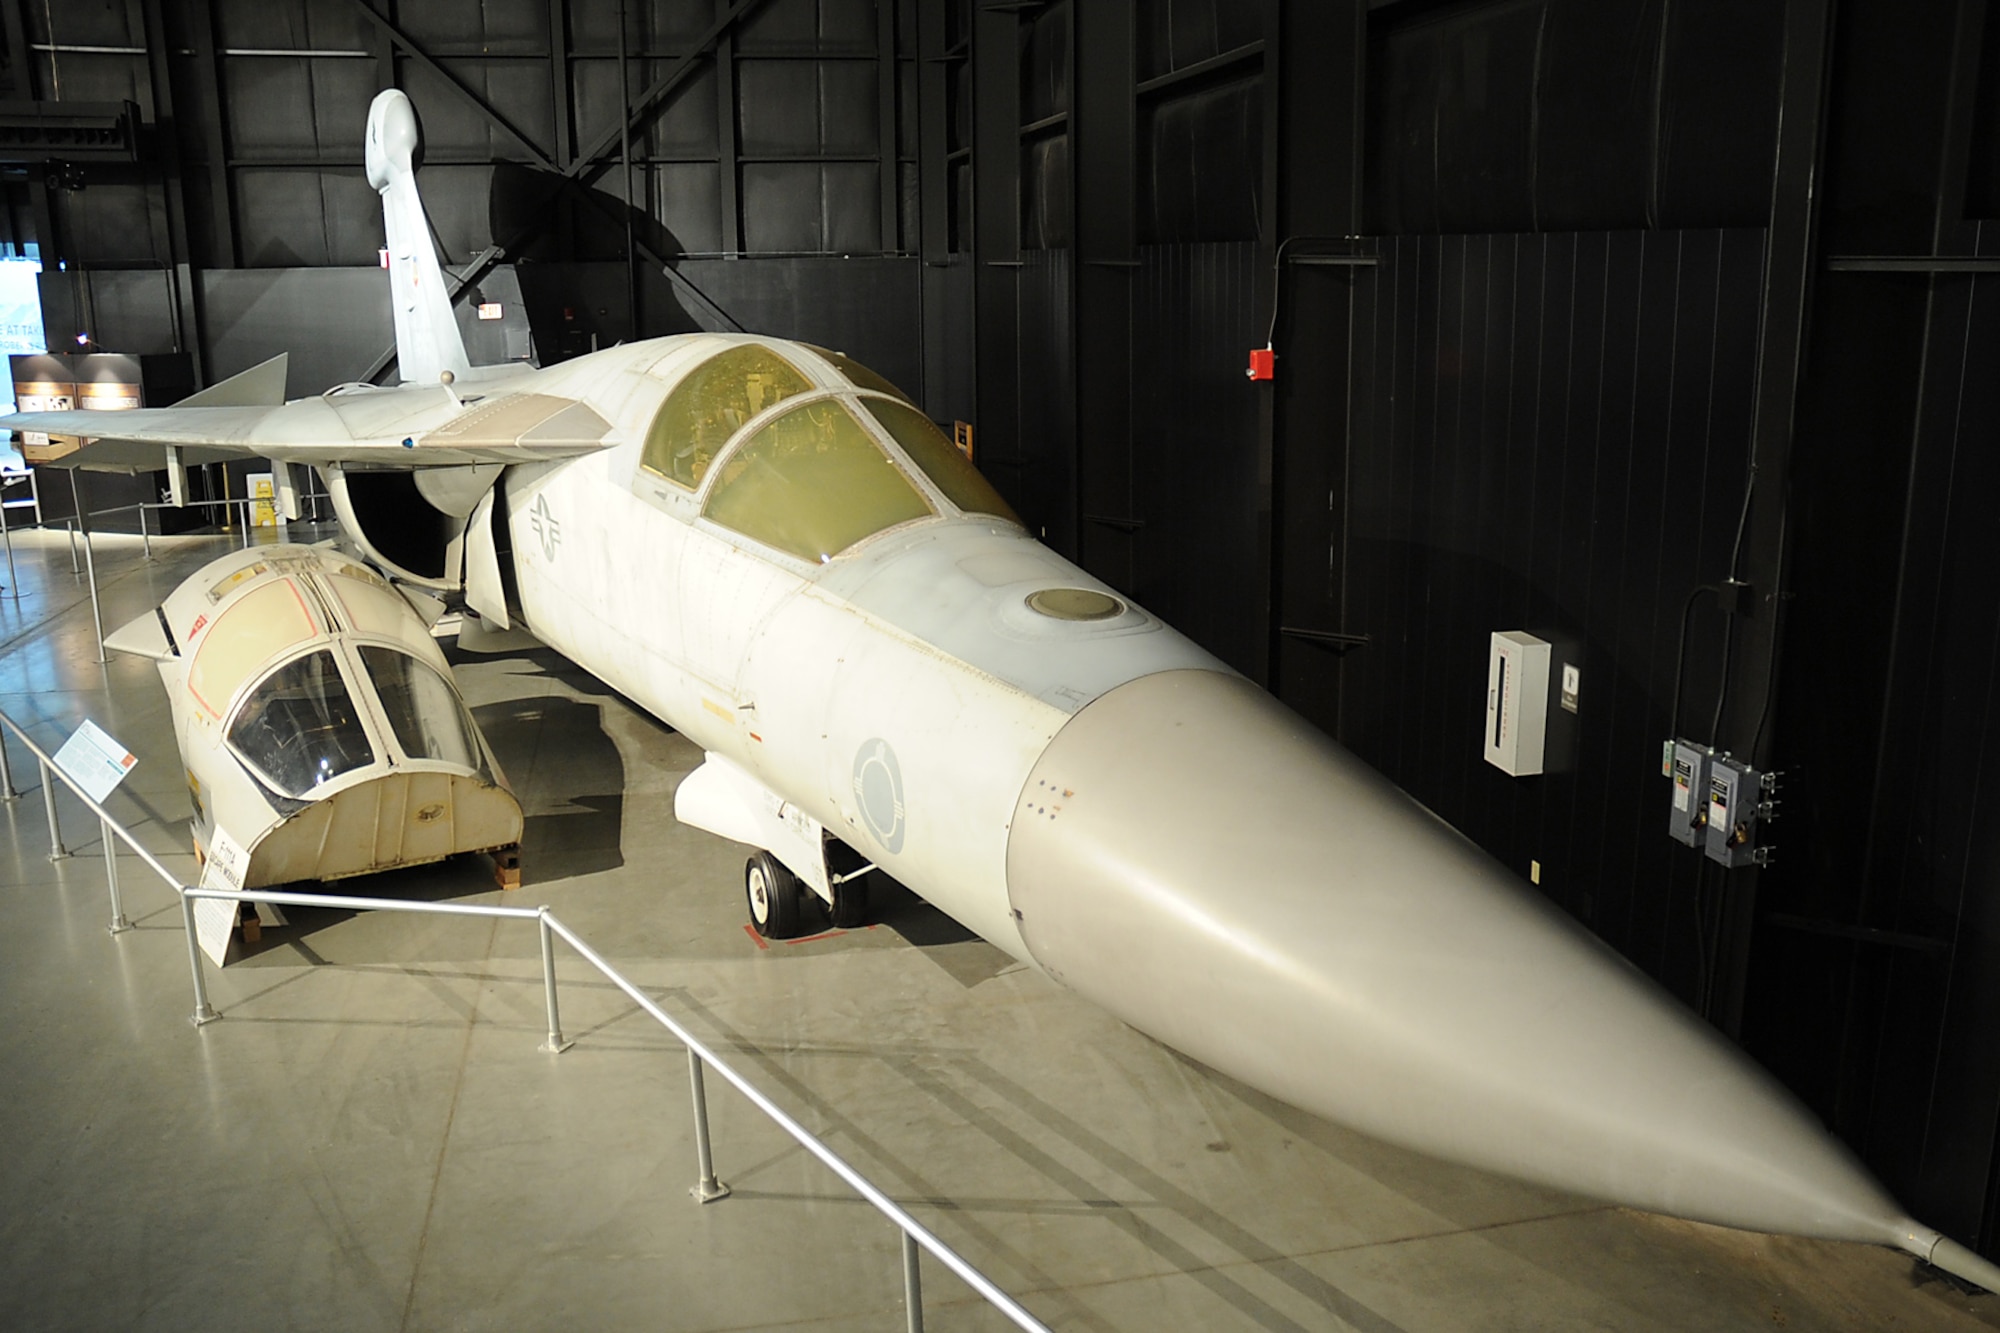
370 1137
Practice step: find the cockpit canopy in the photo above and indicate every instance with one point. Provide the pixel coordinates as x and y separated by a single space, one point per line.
710 404
303 725
851 458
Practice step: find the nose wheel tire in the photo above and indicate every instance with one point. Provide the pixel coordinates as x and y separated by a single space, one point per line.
774 895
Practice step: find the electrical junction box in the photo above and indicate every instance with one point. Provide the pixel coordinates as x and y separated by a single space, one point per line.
1517 702
1687 765
1736 799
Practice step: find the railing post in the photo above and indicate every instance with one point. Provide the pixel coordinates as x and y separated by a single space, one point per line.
7 536
8 791
555 1045
913 1282
96 612
57 851
203 1011
246 524
119 923
83 522
707 1189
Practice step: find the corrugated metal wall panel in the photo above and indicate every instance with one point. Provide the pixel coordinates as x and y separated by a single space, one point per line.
1197 483
1046 494
1550 432
1878 991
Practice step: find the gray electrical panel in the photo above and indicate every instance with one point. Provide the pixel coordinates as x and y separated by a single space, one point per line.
1687 765
1738 801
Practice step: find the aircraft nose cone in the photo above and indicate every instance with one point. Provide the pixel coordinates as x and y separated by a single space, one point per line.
1195 858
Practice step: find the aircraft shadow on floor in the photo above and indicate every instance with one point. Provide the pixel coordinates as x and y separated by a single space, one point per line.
570 779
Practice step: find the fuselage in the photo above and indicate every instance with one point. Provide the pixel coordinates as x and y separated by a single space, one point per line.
1085 788
902 658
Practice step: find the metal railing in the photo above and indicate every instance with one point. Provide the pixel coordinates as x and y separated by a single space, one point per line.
79 522
701 1056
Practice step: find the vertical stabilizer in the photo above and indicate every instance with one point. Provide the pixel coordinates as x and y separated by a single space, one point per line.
427 340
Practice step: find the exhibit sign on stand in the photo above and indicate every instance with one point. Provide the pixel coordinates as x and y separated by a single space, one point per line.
94 761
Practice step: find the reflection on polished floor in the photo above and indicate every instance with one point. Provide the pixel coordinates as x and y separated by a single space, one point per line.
370 1137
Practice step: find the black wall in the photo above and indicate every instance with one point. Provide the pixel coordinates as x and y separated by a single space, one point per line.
1570 114
1551 432
1554 273
1874 976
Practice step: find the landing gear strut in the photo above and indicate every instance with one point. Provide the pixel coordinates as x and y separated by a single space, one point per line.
849 909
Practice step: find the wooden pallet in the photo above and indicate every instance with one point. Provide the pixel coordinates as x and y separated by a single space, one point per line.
507 866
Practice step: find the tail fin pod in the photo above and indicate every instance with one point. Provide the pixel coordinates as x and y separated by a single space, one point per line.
427 339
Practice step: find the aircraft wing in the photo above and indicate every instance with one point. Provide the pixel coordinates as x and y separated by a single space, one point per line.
204 435
408 427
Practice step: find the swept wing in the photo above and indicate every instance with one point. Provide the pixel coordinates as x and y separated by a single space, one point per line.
410 426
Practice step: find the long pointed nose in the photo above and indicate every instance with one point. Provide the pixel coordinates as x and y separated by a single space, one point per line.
1198 860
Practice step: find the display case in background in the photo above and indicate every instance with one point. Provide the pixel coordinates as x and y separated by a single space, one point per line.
108 382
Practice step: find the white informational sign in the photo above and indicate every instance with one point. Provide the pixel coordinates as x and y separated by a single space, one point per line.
215 918
94 761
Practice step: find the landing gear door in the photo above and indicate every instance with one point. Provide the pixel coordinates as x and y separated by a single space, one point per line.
485 592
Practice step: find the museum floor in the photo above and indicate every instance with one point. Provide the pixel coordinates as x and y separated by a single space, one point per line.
370 1138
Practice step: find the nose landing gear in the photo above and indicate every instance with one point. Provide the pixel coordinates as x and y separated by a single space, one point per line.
775 896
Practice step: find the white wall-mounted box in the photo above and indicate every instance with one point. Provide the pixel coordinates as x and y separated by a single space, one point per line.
1517 702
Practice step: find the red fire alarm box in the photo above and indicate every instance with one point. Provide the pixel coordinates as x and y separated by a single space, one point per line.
1263 363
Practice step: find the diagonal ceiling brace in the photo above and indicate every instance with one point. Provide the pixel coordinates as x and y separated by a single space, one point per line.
586 167
452 81
594 160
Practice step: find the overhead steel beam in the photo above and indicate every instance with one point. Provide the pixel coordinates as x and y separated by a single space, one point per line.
190 333
885 119
17 47
594 160
728 164
452 81
996 245
1103 153
382 51
560 81
208 68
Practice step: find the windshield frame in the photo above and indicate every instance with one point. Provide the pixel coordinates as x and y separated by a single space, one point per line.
830 383
399 754
848 401
364 717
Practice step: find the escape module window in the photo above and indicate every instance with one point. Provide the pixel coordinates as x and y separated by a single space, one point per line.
424 710
813 482
951 471
300 727
711 404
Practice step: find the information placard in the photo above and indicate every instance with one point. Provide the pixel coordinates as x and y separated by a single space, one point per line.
215 918
94 761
